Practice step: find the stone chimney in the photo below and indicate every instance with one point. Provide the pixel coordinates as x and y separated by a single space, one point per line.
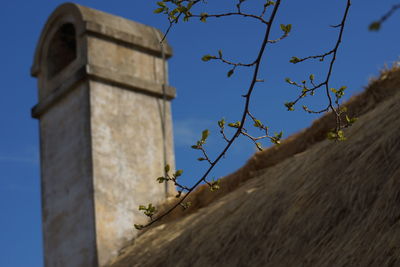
103 137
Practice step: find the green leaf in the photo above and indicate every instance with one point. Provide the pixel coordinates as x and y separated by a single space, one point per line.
189 6
220 53
203 17
195 147
161 179
295 60
204 135
159 10
178 173
276 139
286 28
312 77
331 135
289 106
167 168
182 9
350 121
235 125
259 147
161 4
258 124
215 185
374 26
142 207
289 28
138 226
186 205
336 136
341 136
201 159
289 81
221 123
206 58
230 72
340 92
270 3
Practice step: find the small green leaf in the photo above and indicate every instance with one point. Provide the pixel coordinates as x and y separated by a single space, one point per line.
220 53
286 28
182 9
161 4
206 58
259 147
138 226
295 60
276 139
159 10
289 81
270 3
312 77
230 72
336 136
374 26
221 123
186 205
204 135
167 168
350 121
161 179
203 17
289 106
215 185
235 125
341 136
178 173
201 159
258 124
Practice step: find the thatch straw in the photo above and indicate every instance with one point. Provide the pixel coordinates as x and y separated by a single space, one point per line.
377 91
334 204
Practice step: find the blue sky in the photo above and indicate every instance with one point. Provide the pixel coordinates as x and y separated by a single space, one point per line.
205 94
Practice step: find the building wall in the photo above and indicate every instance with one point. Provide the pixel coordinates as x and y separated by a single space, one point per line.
67 188
127 147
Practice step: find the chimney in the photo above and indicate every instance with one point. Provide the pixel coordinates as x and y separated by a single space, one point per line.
104 138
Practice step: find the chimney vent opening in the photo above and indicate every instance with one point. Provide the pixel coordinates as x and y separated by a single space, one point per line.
62 49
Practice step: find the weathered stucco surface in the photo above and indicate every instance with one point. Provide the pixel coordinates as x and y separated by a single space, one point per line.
101 130
127 147
124 60
67 186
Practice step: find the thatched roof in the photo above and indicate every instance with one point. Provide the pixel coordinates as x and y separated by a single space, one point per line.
308 202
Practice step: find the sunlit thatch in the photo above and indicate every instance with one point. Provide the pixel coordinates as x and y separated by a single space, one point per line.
308 202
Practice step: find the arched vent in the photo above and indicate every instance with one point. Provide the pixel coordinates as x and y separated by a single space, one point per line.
62 49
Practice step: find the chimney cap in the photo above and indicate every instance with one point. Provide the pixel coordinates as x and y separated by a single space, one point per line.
94 22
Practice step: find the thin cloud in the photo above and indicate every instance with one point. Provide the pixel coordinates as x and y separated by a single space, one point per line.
29 156
188 131
16 159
